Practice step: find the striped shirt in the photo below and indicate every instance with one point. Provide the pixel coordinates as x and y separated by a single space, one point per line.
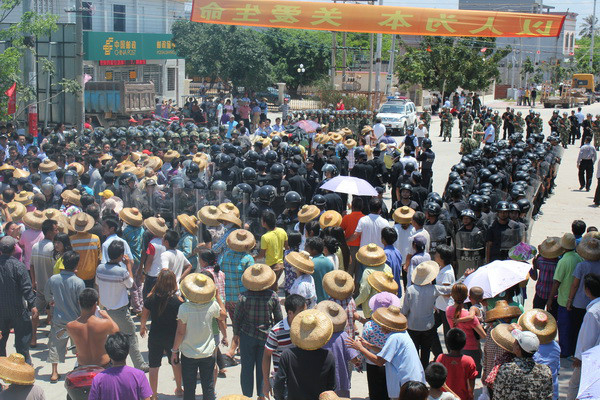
543 269
113 283
349 305
43 262
278 340
88 247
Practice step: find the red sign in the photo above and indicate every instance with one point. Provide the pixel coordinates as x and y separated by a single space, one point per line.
12 98
121 62
33 120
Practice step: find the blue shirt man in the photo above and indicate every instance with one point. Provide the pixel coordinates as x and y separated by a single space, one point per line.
489 133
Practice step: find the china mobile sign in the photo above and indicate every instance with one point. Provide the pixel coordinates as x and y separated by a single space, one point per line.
128 46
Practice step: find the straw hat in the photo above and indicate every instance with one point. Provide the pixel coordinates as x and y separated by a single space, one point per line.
114 203
366 130
198 288
404 215
301 260
153 162
338 284
64 225
274 133
105 157
258 277
34 220
24 197
157 226
134 156
371 255
78 168
229 208
425 273
551 248
383 282
501 335
346 131
209 215
139 172
390 318
20 173
567 241
330 218
335 312
51 213
336 137
170 155
198 157
368 150
589 248
502 311
6 167
189 223
231 218
14 370
307 213
241 241
72 196
350 143
311 329
82 222
48 166
16 210
123 167
540 322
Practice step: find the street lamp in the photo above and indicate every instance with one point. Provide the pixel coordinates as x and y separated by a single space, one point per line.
301 70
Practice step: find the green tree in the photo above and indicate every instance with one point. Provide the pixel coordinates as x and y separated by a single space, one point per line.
582 55
21 38
444 64
229 53
586 27
288 48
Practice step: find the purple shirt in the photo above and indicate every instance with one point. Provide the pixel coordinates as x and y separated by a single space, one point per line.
543 269
29 238
394 260
342 354
120 383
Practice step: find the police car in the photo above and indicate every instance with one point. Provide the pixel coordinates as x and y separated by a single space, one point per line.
397 114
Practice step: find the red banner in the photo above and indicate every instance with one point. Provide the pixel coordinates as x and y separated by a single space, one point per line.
33 120
12 98
375 19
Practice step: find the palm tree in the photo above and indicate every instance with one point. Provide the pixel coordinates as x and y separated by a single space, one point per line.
586 30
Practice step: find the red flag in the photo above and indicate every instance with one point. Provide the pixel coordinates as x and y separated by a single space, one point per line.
429 49
12 98
483 50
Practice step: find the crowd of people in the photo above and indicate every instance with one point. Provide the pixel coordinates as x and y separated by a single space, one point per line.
188 229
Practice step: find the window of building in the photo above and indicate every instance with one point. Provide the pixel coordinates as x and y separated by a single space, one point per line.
86 16
171 79
118 18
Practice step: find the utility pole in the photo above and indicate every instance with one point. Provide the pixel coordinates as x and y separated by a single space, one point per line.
344 59
371 37
79 104
378 59
390 75
593 28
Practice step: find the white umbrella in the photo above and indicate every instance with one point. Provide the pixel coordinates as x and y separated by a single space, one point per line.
497 276
350 185
589 385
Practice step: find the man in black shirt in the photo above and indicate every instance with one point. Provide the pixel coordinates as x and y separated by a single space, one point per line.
498 240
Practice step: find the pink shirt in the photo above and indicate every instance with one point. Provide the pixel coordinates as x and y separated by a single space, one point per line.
29 238
467 327
18 253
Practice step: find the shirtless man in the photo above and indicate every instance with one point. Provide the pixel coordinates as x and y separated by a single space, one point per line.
89 332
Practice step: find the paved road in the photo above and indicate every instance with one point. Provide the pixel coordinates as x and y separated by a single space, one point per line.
559 211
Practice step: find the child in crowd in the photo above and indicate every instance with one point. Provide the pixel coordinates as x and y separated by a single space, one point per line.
419 255
461 369
294 240
330 249
435 375
478 304
304 284
389 236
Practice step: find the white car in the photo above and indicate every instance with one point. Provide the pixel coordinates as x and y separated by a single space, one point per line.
398 115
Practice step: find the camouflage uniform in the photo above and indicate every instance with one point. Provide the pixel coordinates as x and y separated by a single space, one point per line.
538 124
448 122
519 123
478 127
426 118
564 129
468 145
467 121
596 131
497 122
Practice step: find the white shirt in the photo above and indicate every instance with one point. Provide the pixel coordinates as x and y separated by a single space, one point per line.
580 117
589 334
175 261
334 260
403 244
113 283
423 233
370 227
156 261
379 130
304 285
445 277
107 243
421 132
409 159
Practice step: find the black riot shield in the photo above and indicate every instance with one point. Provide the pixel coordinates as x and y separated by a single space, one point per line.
508 239
437 235
470 250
